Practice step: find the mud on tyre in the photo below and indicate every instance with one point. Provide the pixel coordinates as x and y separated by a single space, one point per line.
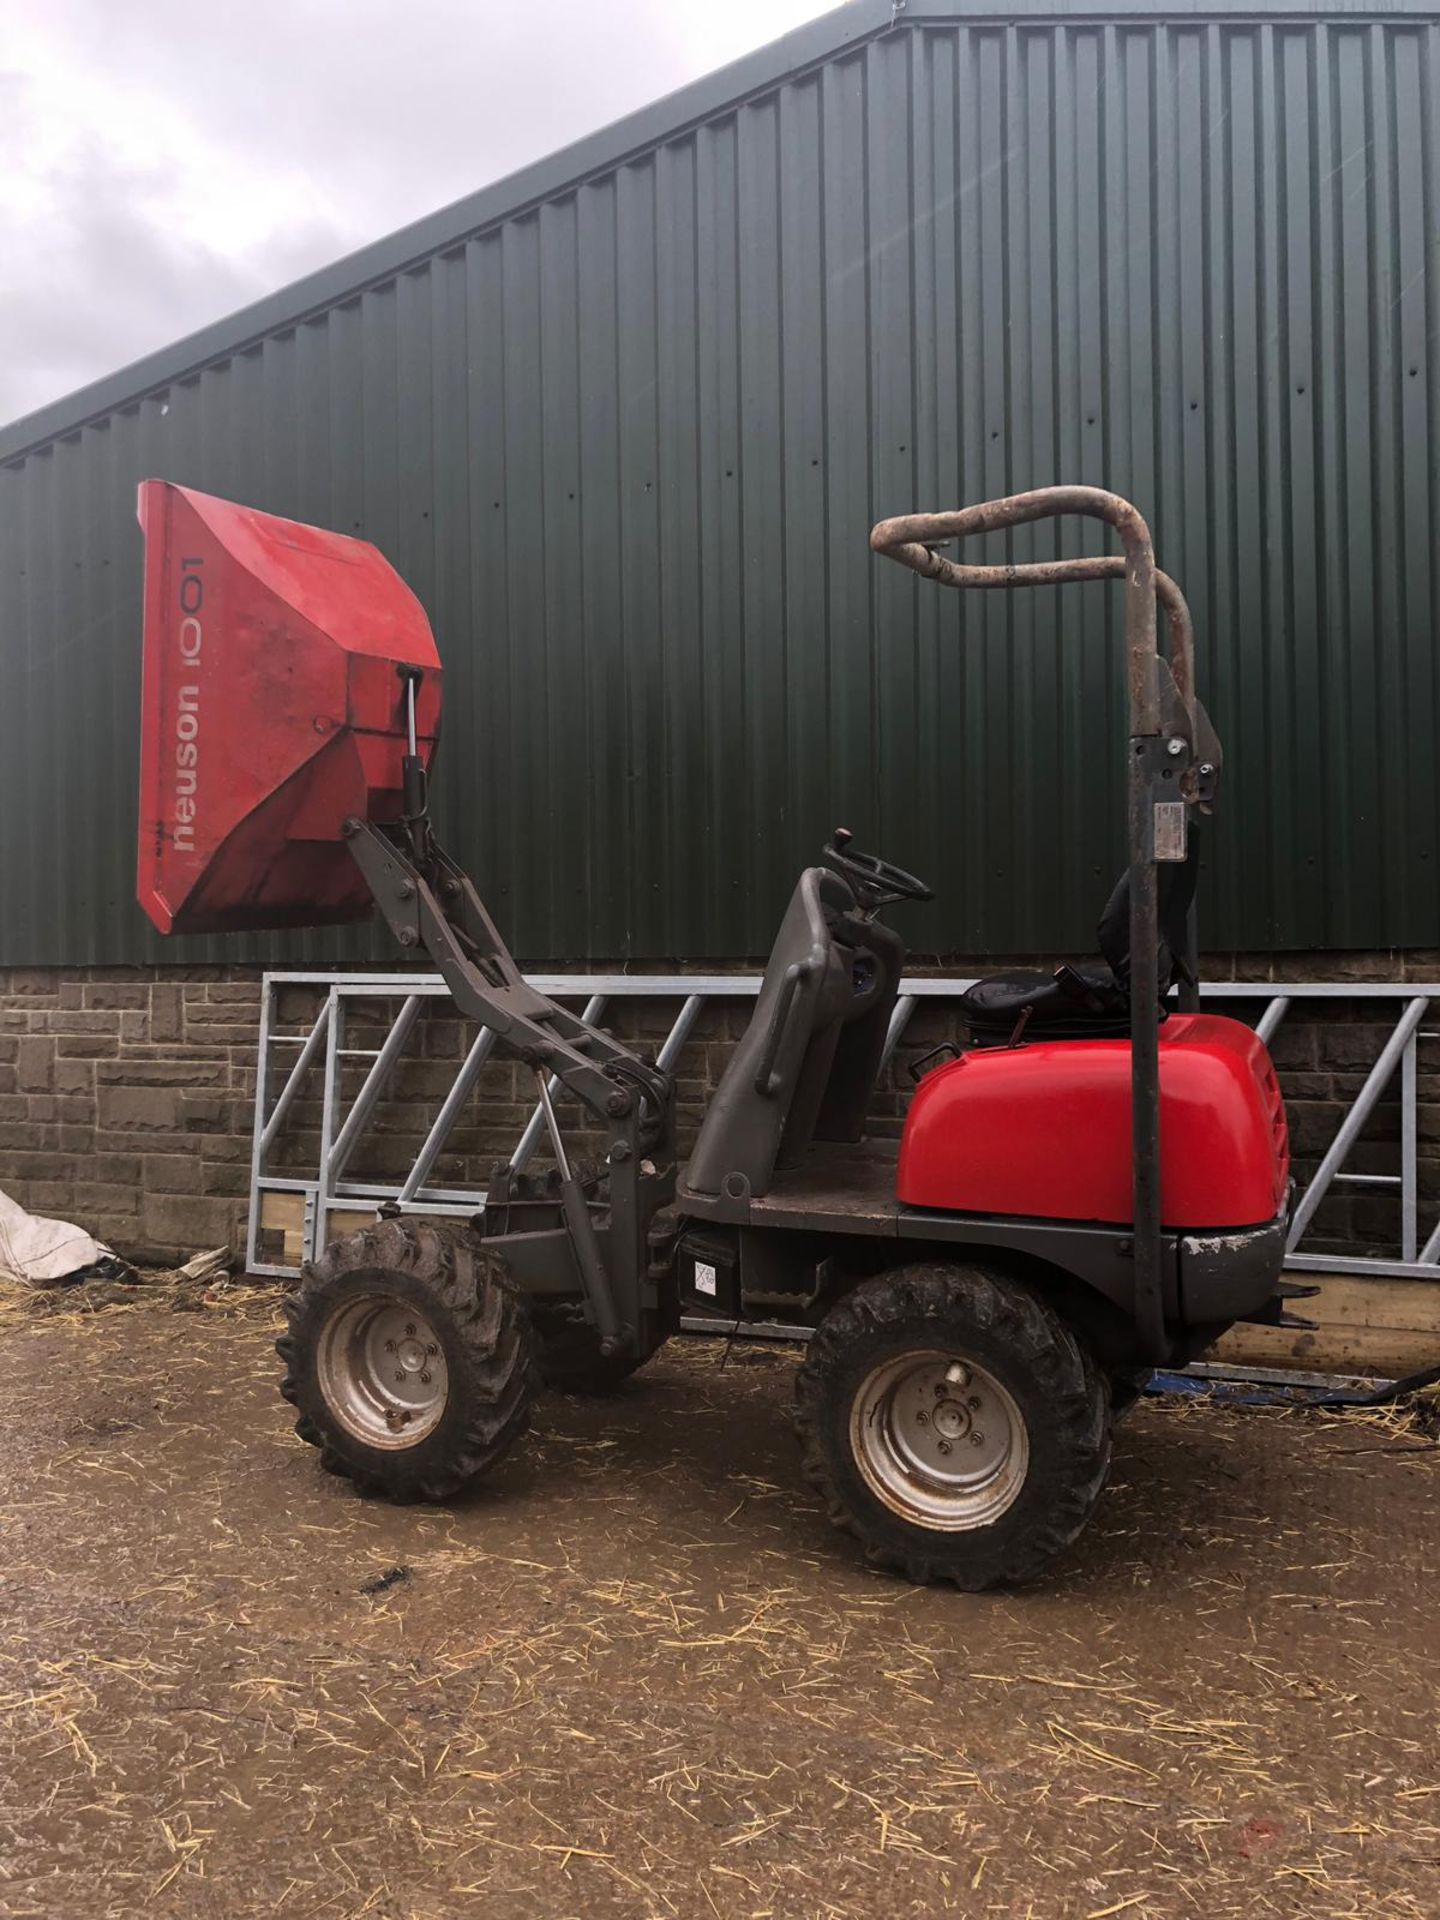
953 1424
409 1359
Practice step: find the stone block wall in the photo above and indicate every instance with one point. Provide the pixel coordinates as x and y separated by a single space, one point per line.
126 1098
127 1094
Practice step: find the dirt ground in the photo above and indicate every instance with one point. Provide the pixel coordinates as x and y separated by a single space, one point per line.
637 1675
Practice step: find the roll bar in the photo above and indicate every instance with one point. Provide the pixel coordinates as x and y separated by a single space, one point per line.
911 540
1058 573
1159 774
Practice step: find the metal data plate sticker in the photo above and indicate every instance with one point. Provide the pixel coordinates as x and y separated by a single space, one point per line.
1169 829
704 1278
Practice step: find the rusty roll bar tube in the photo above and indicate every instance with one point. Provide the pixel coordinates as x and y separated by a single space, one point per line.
911 539
1104 566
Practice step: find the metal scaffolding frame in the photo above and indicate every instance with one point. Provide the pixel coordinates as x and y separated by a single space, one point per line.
314 1195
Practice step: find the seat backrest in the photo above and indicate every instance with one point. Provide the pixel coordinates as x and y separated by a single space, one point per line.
806 1065
1177 896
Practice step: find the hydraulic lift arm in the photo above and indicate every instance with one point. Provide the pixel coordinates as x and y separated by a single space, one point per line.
435 907
430 903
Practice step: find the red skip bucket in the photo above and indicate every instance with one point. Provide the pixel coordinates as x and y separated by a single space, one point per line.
273 710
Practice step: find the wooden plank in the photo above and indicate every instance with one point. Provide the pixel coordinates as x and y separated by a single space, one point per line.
341 1221
284 1213
1366 1324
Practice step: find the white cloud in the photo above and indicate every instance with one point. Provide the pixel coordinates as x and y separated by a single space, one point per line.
163 162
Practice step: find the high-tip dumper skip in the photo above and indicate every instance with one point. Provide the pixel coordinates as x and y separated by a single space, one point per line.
983 1300
274 709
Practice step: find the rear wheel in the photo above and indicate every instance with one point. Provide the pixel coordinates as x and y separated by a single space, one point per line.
408 1357
954 1425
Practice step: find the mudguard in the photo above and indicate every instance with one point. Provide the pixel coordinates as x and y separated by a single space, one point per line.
1044 1131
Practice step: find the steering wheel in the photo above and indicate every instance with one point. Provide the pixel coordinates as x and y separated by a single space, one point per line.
876 880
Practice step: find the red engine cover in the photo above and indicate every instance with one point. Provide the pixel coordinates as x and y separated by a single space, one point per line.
271 712
1043 1130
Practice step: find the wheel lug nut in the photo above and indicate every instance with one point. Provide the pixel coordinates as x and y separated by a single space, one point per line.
922 1419
410 1329
973 1403
424 1379
432 1349
389 1346
977 1439
944 1446
399 1373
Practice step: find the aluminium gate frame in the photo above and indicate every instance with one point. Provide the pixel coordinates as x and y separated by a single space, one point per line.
328 1189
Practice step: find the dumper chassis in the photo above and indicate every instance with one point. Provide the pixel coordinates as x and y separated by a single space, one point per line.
979 1314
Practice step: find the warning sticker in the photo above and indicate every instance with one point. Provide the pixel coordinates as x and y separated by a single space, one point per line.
1169 829
704 1278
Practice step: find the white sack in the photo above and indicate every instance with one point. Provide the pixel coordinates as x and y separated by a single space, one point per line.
41 1252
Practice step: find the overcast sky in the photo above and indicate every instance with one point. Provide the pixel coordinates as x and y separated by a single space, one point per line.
163 162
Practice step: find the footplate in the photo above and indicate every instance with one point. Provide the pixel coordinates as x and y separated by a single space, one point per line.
1272 1313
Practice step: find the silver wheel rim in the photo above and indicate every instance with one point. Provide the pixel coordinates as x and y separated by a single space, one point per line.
381 1371
939 1440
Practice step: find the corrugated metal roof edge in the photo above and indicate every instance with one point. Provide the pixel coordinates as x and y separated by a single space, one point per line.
597 153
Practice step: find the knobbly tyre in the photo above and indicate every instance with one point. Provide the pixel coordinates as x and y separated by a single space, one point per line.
985 1294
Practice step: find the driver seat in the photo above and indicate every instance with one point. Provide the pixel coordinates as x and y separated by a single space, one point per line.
1089 1002
806 1066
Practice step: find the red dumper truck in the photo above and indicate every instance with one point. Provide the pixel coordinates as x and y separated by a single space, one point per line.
1096 1187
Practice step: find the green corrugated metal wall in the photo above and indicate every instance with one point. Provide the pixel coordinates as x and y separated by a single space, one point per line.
625 434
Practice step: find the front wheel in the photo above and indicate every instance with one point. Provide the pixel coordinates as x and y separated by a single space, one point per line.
408 1358
954 1425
